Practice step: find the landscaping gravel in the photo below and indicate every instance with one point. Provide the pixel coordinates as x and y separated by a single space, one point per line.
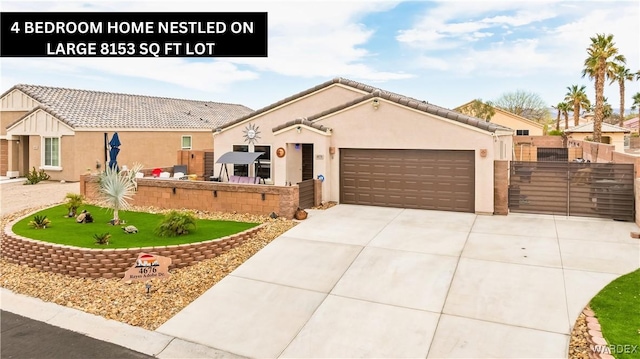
130 303
578 346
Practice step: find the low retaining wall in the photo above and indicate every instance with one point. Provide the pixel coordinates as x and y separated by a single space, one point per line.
108 263
207 196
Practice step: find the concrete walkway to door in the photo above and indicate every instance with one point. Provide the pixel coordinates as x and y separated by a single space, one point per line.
356 281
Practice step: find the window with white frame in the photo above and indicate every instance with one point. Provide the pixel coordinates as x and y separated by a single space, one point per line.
186 142
51 150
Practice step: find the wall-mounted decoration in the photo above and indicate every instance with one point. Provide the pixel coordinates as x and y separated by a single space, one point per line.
321 178
280 152
483 153
251 133
297 146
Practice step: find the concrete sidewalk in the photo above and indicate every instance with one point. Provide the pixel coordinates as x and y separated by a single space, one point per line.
398 283
357 281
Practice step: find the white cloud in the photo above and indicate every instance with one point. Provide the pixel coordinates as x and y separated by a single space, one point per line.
307 39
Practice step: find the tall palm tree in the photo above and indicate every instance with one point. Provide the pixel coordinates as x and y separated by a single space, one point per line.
577 97
636 103
565 107
621 74
557 107
603 55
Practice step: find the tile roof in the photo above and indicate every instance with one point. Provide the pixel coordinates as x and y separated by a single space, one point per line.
375 92
588 128
95 109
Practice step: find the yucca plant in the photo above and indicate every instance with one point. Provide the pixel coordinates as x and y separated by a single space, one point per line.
102 238
117 188
39 222
176 223
74 201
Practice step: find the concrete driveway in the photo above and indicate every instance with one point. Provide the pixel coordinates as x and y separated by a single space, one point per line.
356 281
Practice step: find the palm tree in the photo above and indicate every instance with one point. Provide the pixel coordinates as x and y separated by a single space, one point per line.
603 56
636 101
559 108
117 188
565 108
621 74
577 97
607 109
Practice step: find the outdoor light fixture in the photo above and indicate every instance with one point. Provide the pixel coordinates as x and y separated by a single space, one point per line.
174 190
215 193
264 197
299 129
375 103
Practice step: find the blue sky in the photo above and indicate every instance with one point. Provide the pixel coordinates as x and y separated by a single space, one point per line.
446 53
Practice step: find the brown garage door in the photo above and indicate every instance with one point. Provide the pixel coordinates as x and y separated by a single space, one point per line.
423 179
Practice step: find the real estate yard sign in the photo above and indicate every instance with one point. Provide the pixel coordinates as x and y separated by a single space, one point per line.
148 266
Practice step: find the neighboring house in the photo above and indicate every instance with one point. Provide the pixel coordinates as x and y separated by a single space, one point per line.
372 147
632 124
611 134
63 130
522 126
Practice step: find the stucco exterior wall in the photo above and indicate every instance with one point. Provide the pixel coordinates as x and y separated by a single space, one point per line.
150 148
391 126
617 139
322 100
7 118
509 120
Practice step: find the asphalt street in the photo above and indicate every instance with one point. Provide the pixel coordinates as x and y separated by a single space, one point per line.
23 338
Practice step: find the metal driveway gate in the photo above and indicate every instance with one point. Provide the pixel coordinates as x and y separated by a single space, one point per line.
603 190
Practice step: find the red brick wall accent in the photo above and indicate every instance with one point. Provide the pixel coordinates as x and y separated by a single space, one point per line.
108 263
540 141
501 187
208 196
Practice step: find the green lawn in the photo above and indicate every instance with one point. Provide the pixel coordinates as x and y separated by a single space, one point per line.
617 307
64 230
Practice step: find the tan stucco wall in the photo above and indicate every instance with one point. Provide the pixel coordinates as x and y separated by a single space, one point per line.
7 118
515 123
390 127
617 138
149 148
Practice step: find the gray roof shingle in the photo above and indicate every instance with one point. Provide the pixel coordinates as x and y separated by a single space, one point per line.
376 92
95 109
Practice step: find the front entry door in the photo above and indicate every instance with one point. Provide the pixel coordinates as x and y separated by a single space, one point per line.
307 161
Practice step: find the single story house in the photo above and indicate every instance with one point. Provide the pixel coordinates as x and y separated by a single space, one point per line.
633 124
611 134
371 147
522 126
63 130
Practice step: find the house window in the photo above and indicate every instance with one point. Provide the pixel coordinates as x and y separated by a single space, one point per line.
186 142
241 170
264 171
52 152
522 132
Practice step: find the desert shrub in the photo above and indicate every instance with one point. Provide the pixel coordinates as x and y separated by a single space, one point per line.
102 238
74 201
34 176
176 223
39 222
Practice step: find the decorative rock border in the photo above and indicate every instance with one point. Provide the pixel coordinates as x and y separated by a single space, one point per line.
108 263
597 344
